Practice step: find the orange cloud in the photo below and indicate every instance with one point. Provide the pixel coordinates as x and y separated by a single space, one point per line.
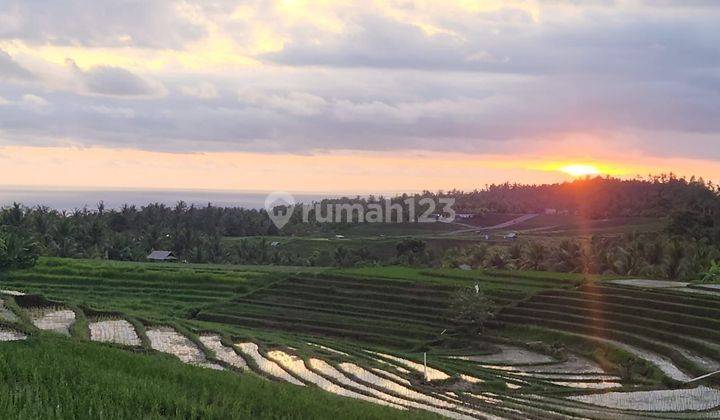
342 172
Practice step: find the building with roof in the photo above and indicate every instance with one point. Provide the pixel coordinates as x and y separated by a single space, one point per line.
160 256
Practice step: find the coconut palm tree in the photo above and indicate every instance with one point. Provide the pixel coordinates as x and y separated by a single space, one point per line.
675 261
568 257
534 256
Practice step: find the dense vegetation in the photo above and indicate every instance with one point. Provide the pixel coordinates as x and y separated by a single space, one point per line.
649 255
16 251
598 197
690 210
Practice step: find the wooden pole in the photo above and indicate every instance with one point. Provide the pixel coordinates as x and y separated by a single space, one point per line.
425 366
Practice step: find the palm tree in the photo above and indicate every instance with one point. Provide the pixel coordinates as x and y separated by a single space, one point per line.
17 251
675 260
63 236
655 252
534 258
476 255
498 260
628 259
568 257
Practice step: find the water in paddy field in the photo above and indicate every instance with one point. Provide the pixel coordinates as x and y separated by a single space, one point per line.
62 199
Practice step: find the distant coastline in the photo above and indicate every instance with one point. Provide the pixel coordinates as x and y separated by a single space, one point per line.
70 199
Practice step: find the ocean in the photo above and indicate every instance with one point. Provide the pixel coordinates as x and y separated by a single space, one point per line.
69 199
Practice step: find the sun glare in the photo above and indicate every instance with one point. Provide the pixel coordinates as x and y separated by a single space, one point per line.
580 170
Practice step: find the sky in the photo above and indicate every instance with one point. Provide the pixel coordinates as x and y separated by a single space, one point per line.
355 96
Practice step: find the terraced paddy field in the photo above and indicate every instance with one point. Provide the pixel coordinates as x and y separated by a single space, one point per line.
251 342
399 308
678 333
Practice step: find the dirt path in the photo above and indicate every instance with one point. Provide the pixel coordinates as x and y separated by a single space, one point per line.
509 223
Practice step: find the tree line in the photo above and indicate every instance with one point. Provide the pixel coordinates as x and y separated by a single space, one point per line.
129 233
691 208
651 255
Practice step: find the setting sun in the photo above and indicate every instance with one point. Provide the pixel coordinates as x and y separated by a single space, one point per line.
580 170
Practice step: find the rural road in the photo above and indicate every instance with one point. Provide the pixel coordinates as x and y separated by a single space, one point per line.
509 223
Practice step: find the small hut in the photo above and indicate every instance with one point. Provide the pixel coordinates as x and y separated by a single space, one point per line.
161 256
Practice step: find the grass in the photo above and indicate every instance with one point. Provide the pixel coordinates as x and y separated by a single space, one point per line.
399 307
382 248
54 378
396 310
394 306
148 291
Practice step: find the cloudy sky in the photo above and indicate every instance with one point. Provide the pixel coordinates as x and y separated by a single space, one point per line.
355 95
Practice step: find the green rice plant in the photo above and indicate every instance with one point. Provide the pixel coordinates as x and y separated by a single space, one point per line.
104 382
79 330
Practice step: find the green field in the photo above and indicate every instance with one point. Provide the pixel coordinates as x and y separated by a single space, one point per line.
376 243
318 327
48 377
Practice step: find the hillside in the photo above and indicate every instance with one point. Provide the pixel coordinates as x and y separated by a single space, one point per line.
560 346
53 378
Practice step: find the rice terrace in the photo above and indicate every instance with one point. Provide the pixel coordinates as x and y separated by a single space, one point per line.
561 346
359 209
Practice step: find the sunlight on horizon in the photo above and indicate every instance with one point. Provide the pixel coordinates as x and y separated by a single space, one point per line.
579 170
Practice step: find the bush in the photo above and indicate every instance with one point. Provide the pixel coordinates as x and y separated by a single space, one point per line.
712 275
471 308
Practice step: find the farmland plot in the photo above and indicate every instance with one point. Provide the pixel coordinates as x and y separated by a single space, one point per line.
679 334
327 370
437 405
432 373
328 349
665 364
574 363
117 331
296 365
588 385
396 313
56 320
10 335
695 399
167 340
224 353
402 317
6 314
510 355
266 366
391 375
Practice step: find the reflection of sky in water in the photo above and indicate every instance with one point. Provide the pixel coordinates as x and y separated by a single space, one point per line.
72 199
